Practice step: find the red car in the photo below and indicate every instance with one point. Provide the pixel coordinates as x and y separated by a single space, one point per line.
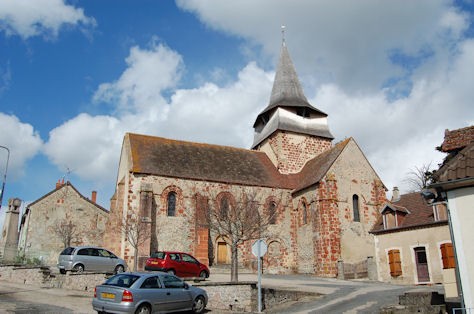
181 264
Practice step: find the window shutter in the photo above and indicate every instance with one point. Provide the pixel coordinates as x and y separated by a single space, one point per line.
447 254
395 263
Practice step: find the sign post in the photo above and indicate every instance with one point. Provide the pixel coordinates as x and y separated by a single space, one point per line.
259 248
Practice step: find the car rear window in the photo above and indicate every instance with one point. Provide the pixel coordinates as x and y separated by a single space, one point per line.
160 255
67 251
122 280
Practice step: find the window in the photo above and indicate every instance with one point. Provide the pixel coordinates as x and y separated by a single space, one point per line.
173 282
151 283
272 213
447 254
305 213
171 204
355 207
189 259
224 210
394 263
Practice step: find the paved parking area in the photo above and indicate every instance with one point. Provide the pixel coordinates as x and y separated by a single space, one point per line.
349 297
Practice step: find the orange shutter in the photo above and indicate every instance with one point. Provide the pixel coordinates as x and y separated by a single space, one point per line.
447 254
395 263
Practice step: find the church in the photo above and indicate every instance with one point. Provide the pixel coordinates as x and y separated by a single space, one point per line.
325 196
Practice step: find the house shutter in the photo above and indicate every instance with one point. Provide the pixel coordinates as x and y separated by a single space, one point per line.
395 263
447 254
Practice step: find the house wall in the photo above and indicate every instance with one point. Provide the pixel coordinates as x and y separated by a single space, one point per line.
38 239
431 238
460 204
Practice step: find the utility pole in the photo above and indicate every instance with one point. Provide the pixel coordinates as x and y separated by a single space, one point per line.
4 175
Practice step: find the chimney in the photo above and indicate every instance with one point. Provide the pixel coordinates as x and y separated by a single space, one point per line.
94 197
58 184
395 194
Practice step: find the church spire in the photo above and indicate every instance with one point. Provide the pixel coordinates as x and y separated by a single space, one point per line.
288 109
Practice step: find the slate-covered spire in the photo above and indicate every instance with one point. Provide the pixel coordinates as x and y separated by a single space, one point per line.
287 94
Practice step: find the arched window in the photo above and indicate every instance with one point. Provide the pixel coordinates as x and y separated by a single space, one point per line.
305 213
171 204
272 213
224 210
355 207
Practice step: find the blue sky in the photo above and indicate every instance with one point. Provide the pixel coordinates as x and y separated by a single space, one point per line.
75 76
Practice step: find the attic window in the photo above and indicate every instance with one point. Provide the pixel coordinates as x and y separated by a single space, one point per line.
440 212
389 219
302 112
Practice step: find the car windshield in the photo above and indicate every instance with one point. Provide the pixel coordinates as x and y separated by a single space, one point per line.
67 251
158 255
122 280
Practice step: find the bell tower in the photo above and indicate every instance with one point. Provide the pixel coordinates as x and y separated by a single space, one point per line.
290 130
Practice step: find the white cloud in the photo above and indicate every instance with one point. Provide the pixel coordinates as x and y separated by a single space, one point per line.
27 18
23 143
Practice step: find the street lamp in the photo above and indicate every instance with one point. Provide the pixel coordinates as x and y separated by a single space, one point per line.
4 175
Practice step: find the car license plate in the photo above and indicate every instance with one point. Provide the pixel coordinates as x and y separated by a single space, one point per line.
106 295
154 263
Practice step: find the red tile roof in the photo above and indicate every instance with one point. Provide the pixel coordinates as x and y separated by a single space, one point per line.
457 139
461 166
189 160
419 213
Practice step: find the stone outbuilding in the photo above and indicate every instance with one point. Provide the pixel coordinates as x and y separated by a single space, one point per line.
325 198
47 222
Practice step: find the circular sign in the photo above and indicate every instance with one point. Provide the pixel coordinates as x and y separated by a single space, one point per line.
259 244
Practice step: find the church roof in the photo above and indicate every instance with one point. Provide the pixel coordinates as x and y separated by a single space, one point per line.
207 162
316 168
287 90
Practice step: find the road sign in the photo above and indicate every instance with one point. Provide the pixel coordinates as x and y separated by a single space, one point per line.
259 248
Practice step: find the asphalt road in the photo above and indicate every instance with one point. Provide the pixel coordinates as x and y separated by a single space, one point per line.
348 297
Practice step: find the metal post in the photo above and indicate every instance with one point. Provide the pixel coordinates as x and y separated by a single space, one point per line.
259 286
4 175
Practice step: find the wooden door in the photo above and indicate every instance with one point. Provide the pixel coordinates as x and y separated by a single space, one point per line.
221 253
422 264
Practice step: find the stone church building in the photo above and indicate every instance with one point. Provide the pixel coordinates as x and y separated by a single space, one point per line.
325 197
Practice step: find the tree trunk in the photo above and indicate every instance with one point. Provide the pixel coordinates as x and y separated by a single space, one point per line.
234 266
135 259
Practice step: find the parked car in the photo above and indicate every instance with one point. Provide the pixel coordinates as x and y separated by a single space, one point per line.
180 264
89 258
148 293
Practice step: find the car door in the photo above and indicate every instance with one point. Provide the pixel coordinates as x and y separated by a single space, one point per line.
176 264
178 297
84 257
153 291
107 262
95 260
190 266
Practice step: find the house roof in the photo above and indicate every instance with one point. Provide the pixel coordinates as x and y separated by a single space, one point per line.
62 186
457 139
457 169
207 162
417 213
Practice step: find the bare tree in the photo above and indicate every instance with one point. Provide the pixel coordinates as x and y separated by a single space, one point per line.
419 178
66 230
137 232
238 222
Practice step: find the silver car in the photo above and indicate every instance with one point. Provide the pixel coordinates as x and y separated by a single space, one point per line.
89 258
156 292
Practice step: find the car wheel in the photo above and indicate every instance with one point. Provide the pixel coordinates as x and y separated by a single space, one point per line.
119 269
79 268
171 271
62 271
203 275
143 309
199 305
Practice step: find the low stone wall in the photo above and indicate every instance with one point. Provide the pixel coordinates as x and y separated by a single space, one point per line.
239 297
